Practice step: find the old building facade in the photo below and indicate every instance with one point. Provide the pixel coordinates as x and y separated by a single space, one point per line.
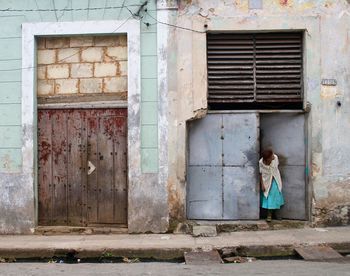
324 170
143 114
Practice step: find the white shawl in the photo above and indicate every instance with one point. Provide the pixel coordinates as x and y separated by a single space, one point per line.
269 172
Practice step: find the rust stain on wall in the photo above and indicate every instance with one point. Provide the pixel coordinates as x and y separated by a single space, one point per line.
176 203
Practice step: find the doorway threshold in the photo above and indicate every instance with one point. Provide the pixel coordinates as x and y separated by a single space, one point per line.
223 226
80 230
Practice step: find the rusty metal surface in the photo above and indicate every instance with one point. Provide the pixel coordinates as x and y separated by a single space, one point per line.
203 258
318 253
226 190
240 139
241 193
285 133
205 134
67 140
240 173
261 68
204 194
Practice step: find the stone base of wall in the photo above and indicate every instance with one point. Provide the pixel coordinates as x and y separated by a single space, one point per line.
334 209
331 215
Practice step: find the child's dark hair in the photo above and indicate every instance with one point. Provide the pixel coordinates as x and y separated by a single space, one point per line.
267 153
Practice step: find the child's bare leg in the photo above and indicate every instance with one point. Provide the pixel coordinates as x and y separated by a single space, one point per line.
269 215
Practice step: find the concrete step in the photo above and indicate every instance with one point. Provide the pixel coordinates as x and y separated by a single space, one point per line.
193 226
77 230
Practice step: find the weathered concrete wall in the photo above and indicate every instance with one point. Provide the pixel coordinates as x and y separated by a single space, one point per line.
331 151
17 184
326 56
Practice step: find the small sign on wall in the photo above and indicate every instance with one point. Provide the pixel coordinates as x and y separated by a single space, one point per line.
255 4
329 82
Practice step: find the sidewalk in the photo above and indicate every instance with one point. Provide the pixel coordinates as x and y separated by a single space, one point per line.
169 246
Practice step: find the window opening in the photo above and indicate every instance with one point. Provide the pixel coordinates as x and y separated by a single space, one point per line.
255 70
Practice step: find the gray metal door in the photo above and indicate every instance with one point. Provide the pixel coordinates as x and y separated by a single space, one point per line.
222 167
285 133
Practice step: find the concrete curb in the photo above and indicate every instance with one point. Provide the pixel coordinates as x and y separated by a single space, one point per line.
156 253
276 243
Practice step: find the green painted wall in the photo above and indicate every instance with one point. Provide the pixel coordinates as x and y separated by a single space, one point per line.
10 64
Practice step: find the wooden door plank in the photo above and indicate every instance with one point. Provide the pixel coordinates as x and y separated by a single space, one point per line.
92 149
84 176
105 168
59 169
44 168
74 170
120 170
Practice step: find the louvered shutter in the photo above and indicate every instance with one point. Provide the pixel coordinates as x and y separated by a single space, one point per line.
254 68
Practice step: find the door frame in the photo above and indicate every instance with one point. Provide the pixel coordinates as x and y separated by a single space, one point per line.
30 31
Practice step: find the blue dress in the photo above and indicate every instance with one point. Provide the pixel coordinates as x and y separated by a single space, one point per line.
275 198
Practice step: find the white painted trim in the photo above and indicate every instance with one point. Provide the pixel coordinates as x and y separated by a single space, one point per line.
163 94
84 105
30 31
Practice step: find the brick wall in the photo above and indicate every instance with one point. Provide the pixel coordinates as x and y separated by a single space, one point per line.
82 65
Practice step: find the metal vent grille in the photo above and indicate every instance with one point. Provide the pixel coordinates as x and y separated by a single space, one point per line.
254 68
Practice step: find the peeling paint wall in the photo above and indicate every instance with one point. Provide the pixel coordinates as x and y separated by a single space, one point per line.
148 201
327 56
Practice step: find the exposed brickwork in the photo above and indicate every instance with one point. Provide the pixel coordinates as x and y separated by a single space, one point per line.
82 65
116 53
58 71
66 86
105 70
92 54
105 41
111 85
123 68
57 43
91 85
82 70
41 73
46 56
46 87
81 41
68 55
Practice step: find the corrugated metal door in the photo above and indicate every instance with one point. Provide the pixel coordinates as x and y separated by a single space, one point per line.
82 174
222 167
285 133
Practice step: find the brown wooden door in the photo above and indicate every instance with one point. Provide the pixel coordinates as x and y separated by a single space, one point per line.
82 172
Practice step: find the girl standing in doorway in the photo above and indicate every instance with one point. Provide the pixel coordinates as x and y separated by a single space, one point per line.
271 183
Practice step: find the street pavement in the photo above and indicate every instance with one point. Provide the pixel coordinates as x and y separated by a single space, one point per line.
271 268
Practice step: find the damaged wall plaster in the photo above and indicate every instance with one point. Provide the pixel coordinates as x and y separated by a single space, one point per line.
328 124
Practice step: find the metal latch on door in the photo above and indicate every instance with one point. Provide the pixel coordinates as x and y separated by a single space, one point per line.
91 168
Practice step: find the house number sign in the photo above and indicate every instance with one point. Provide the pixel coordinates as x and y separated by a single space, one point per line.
329 82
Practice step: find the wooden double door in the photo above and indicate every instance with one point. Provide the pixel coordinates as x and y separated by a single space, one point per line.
82 167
